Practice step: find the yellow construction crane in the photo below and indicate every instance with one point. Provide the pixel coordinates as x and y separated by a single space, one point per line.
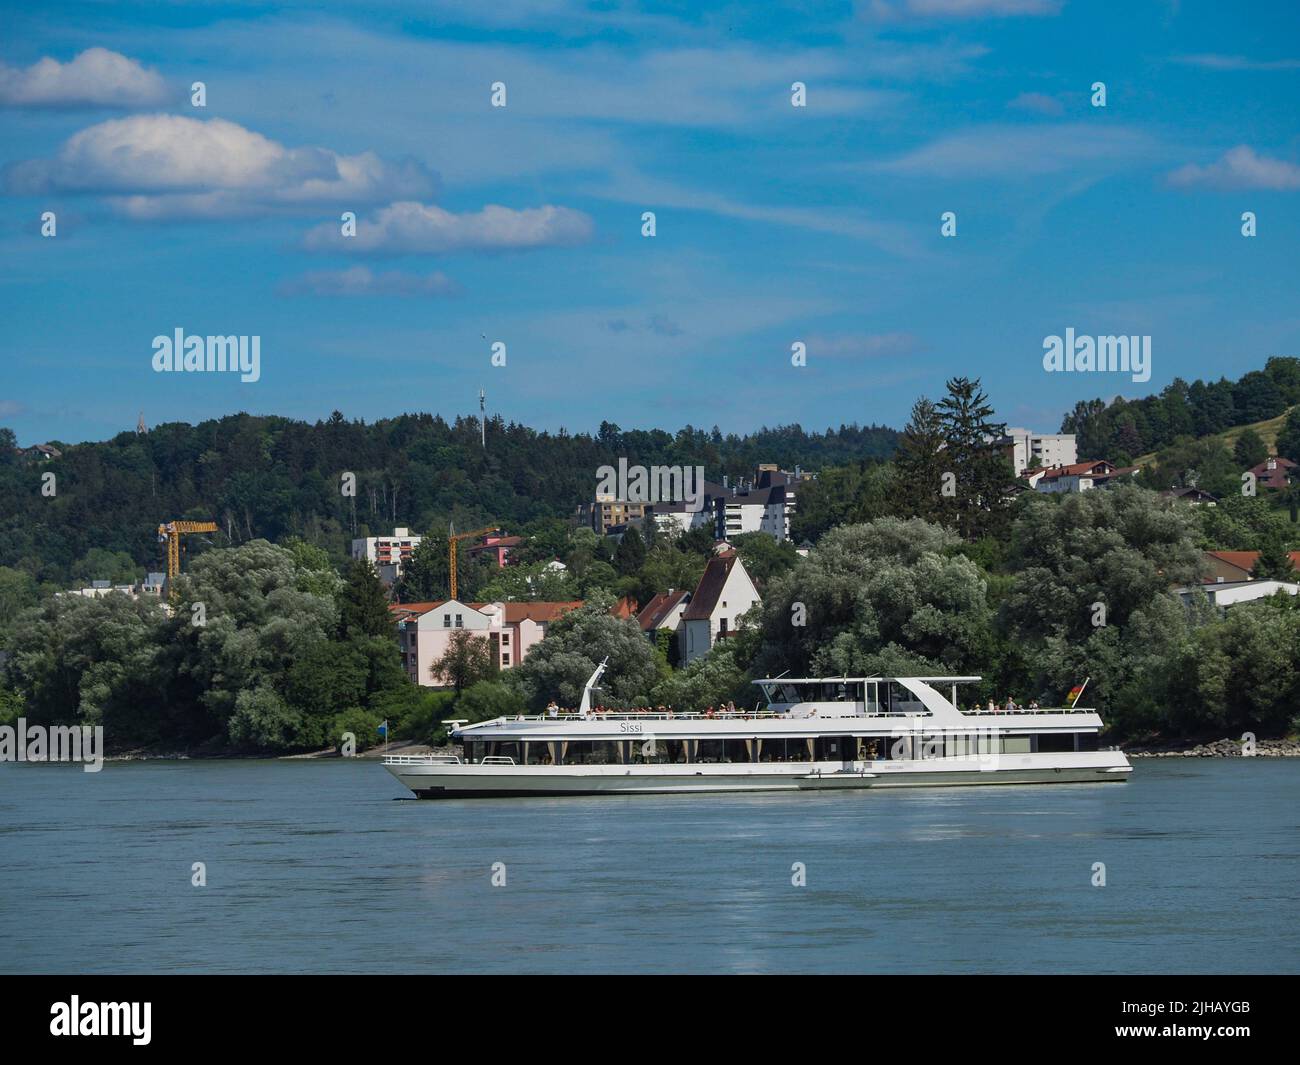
452 538
171 533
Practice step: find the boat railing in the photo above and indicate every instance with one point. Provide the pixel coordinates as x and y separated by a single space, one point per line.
1025 710
421 759
497 759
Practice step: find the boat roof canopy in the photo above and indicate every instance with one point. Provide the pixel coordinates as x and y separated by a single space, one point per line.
848 680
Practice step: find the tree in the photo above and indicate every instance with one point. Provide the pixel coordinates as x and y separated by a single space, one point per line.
1288 440
880 597
920 463
575 643
763 556
467 660
1090 560
630 553
984 477
1273 563
363 604
1250 449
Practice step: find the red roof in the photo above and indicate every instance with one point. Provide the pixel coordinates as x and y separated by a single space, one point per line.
658 609
1245 560
540 612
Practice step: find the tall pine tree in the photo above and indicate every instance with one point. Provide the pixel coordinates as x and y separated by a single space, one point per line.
984 476
363 604
920 465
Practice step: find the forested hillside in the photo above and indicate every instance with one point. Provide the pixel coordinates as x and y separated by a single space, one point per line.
272 478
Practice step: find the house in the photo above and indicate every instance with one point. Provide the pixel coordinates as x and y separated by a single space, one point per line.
390 554
39 452
496 548
1274 472
1230 593
724 593
424 630
1078 476
1195 496
664 611
152 587
1228 567
1027 450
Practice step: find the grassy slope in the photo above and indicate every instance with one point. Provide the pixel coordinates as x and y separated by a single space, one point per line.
1267 430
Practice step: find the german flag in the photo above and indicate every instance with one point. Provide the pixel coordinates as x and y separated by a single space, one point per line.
1075 692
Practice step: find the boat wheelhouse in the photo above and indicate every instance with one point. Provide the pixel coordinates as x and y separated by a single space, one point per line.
812 734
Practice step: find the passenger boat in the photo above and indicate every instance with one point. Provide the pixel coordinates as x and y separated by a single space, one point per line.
813 734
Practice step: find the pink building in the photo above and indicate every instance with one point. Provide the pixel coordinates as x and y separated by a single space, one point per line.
496 548
424 631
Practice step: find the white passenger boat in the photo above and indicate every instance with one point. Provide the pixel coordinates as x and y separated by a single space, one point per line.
813 734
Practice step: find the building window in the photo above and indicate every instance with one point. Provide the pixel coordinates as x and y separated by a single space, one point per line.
722 626
505 639
460 621
505 659
446 621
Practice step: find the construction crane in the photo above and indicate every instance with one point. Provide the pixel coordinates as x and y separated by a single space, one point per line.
452 538
170 533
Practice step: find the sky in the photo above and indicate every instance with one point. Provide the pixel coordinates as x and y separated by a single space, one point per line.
522 224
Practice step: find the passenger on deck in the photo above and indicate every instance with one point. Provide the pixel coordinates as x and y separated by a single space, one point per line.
552 710
992 708
1033 704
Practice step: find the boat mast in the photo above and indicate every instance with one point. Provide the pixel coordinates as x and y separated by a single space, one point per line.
584 708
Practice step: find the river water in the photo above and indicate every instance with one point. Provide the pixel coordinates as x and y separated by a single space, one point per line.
325 866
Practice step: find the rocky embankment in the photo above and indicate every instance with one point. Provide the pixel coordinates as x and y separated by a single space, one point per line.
1216 749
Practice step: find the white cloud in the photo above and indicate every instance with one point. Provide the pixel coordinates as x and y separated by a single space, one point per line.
1022 151
892 10
1213 61
860 345
166 166
410 228
1240 168
361 281
1037 102
95 78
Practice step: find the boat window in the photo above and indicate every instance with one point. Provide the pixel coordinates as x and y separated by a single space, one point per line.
1054 742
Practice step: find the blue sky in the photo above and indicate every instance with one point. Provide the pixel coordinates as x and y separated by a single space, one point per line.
522 224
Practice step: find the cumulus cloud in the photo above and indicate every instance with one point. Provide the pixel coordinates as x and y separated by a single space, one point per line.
410 228
167 166
95 78
1240 168
361 281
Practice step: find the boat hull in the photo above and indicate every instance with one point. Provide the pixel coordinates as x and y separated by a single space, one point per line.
442 781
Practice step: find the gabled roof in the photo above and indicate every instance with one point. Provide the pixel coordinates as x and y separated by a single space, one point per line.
709 591
1245 560
659 608
1081 469
539 612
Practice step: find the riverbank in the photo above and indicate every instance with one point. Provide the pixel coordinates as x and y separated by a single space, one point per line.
1289 748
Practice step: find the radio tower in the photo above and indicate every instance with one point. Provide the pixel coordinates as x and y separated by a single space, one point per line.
482 417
